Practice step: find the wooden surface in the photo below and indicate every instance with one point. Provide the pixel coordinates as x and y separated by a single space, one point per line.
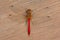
45 23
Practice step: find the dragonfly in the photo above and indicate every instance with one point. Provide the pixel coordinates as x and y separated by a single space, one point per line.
28 17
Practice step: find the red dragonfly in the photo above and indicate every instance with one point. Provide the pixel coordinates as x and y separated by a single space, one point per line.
28 17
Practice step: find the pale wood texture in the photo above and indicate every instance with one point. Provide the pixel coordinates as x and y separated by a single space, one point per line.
45 23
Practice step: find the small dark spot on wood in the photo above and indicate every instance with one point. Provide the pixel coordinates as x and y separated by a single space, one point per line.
48 16
12 6
10 15
47 7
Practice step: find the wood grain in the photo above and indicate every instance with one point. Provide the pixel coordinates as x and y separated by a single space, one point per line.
45 24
